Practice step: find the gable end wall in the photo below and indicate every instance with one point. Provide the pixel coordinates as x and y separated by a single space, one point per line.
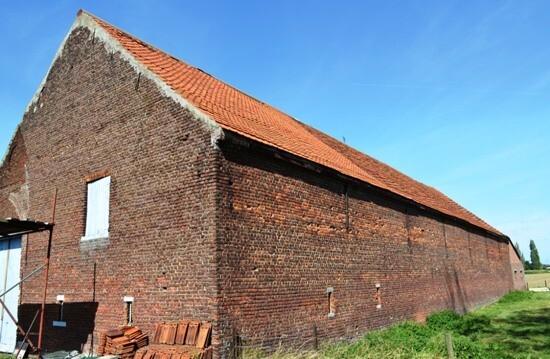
93 115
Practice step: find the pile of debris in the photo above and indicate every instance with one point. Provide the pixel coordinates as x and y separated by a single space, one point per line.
123 342
180 340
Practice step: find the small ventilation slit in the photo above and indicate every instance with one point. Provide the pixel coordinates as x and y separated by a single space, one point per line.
378 297
331 302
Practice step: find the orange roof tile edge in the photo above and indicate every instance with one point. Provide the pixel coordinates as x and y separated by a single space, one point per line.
238 112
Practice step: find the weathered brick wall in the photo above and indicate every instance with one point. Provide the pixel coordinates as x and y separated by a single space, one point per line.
518 274
95 115
14 201
286 238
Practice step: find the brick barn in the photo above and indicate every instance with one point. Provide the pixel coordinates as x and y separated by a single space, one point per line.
199 201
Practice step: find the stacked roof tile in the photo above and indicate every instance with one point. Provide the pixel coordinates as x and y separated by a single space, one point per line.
238 112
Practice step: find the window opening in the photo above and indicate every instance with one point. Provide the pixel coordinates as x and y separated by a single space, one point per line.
378 297
97 209
331 303
60 322
128 310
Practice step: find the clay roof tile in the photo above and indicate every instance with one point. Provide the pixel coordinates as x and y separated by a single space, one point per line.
238 112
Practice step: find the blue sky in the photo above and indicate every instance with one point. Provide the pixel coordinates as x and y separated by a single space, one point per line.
455 94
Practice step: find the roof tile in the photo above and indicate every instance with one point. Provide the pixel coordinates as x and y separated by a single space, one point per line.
238 112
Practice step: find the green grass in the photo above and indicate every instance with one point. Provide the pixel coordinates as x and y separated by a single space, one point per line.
518 326
5 356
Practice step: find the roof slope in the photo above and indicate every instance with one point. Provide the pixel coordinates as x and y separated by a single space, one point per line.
238 112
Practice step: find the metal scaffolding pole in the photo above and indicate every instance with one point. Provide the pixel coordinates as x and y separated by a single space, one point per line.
46 273
10 227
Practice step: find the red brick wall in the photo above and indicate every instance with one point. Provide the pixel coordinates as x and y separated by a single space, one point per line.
93 116
286 239
518 274
12 178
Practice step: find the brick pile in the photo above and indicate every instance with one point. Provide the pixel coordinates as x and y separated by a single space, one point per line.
123 342
179 340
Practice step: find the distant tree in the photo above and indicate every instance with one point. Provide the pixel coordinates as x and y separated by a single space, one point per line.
535 259
521 256
526 265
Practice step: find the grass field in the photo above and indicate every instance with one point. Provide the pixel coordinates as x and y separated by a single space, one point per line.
537 279
518 326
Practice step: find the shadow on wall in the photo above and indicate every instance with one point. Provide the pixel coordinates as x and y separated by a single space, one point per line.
79 319
456 294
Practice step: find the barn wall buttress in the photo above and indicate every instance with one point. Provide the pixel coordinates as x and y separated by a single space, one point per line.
518 273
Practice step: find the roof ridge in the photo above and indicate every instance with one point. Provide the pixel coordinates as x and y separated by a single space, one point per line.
141 41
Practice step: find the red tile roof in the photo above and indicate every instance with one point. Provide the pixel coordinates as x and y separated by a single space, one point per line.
238 112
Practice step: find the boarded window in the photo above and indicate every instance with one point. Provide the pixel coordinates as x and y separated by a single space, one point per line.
97 209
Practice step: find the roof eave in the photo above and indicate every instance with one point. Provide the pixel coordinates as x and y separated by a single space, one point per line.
290 157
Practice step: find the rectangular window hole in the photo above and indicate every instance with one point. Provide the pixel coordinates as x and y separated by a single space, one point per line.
378 296
128 315
97 209
331 302
60 322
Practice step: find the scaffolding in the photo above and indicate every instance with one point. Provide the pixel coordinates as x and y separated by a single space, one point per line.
12 227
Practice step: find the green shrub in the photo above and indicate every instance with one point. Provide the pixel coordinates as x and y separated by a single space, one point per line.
465 347
472 324
444 320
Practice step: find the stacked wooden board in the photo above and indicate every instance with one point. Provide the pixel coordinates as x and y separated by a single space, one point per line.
179 340
123 342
